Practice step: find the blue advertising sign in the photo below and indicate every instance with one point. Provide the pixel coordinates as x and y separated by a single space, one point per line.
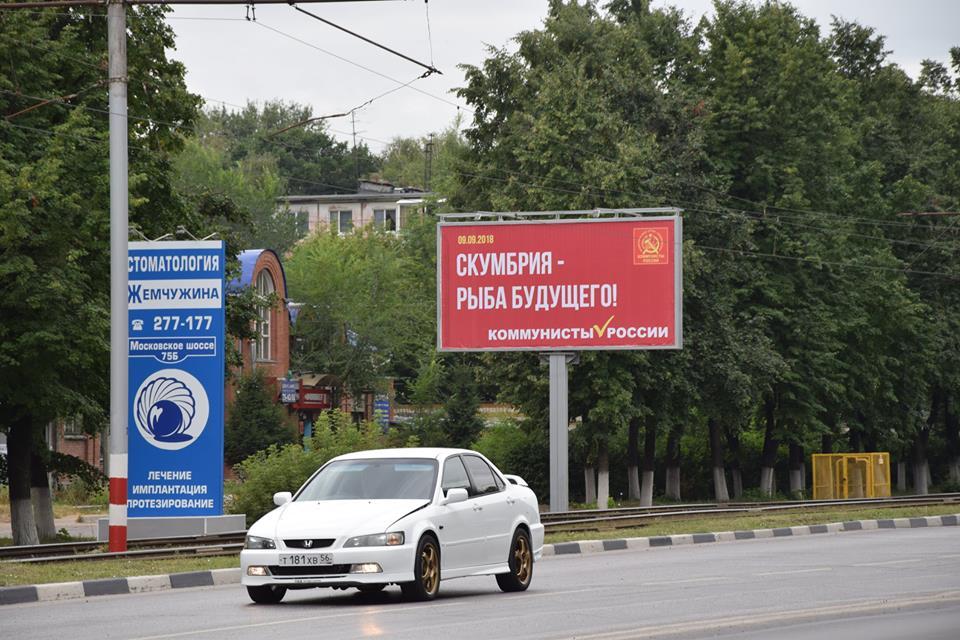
381 410
176 364
289 390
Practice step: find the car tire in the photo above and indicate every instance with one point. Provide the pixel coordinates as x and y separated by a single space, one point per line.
520 562
371 588
426 571
266 594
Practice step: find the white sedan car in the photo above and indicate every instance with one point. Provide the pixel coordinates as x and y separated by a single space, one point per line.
396 516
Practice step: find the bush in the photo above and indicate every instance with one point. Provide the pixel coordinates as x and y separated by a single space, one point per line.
80 492
519 450
286 467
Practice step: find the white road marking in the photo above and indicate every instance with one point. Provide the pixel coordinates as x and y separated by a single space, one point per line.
793 571
888 563
688 581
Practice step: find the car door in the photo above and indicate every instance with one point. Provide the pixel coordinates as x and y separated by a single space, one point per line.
493 514
461 541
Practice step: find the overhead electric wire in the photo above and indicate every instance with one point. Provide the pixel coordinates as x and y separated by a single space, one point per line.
356 64
429 67
764 213
764 207
817 261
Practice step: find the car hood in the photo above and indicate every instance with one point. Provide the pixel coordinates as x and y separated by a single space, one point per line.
333 518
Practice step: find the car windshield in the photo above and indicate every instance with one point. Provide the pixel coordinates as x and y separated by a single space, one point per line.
378 479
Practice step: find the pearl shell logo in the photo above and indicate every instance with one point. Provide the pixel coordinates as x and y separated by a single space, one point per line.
171 409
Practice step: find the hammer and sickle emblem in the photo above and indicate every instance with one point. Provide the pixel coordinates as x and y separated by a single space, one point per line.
650 244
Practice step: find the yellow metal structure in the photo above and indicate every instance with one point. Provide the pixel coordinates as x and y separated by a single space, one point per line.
840 476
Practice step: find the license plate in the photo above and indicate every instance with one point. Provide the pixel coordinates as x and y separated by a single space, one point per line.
305 559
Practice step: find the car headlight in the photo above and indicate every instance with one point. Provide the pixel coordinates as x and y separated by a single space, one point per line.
391 539
256 542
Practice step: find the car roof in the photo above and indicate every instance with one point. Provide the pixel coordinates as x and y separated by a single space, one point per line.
437 453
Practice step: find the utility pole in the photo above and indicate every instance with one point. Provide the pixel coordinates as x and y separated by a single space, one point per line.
119 195
356 158
428 163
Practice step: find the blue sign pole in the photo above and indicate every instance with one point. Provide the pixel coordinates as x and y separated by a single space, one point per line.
176 365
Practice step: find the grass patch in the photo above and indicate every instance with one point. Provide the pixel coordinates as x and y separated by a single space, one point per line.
713 524
72 571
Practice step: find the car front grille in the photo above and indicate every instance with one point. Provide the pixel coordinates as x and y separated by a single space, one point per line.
309 543
325 570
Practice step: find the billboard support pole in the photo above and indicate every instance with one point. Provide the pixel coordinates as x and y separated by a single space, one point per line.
559 421
117 461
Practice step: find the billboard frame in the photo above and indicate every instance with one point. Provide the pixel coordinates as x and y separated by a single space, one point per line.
524 218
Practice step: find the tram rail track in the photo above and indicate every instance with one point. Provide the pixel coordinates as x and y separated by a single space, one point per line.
567 521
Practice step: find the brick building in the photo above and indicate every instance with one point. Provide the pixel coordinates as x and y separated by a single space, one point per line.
262 269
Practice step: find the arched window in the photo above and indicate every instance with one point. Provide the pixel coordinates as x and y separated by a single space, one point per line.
262 348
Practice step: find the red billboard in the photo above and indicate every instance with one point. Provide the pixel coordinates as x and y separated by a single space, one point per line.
558 285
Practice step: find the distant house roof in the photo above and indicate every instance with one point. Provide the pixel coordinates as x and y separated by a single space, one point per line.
248 261
368 191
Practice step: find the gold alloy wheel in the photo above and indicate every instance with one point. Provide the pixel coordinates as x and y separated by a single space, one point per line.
523 559
430 568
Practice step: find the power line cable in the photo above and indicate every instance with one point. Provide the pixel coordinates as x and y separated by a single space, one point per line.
429 67
905 225
850 265
426 6
356 64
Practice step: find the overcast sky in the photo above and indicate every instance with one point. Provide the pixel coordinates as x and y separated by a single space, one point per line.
288 55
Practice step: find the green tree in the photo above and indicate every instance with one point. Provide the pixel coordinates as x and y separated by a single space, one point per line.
308 158
407 162
461 424
255 420
54 216
251 184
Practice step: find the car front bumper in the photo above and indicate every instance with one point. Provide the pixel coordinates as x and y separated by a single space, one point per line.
396 564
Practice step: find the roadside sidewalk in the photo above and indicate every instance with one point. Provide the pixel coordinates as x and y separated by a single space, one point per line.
85 528
216 577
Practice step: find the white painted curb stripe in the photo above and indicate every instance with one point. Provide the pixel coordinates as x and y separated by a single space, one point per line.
59 591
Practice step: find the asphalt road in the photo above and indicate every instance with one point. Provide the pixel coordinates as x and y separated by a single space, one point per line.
871 584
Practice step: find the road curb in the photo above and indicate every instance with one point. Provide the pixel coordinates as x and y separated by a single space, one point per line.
117 586
215 577
600 546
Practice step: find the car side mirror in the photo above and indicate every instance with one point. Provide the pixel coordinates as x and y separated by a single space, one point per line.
454 496
281 498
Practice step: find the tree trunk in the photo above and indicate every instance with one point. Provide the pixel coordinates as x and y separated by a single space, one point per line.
673 464
796 471
921 465
768 458
733 450
590 484
920 470
19 448
649 462
856 441
826 443
902 476
633 460
603 477
716 455
952 432
41 498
